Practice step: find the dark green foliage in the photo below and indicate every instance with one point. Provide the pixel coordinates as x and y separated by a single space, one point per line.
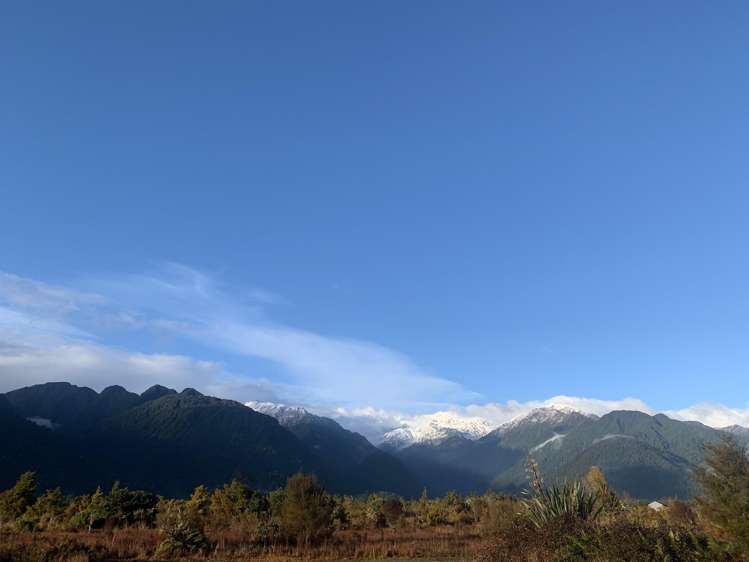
234 501
725 484
307 509
569 501
14 502
127 508
47 512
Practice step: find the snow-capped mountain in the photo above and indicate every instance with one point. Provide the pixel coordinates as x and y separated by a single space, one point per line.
737 431
550 415
286 415
540 428
434 428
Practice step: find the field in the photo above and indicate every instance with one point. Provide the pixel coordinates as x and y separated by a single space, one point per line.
443 543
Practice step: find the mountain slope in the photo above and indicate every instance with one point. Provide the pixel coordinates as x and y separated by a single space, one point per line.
350 462
169 444
643 456
474 464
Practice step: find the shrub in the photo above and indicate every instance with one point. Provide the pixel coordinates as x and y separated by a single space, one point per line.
392 509
14 502
46 513
571 500
607 499
234 502
725 498
307 509
182 530
126 507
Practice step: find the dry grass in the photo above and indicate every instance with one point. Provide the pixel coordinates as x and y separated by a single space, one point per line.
440 543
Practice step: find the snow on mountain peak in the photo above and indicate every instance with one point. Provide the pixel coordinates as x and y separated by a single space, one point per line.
433 428
548 414
286 415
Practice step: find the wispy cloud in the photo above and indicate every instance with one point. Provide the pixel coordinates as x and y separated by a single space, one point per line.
199 307
51 332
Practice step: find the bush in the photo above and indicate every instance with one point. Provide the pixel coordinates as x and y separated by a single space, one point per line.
570 539
47 512
307 509
14 502
126 507
572 501
725 498
182 530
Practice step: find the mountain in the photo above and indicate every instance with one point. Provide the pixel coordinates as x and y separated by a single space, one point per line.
435 428
349 459
474 463
70 408
643 456
170 442
739 432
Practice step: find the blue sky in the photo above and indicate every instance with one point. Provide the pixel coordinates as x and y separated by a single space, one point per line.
399 205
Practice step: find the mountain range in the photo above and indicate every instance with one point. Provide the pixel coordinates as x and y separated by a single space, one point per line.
169 442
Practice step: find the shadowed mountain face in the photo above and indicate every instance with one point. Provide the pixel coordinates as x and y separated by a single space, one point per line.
643 456
72 408
347 457
169 443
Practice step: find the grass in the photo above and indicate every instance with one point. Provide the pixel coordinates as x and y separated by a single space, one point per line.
134 545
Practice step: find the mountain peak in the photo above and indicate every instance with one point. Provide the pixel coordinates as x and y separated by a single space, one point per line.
286 415
156 391
547 414
435 428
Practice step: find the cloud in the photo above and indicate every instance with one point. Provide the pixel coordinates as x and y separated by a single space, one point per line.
99 366
714 415
230 322
499 413
373 422
50 332
19 292
322 369
335 371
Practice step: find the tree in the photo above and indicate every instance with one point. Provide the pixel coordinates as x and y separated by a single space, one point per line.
200 501
236 500
597 484
47 512
725 490
307 509
96 511
14 502
131 507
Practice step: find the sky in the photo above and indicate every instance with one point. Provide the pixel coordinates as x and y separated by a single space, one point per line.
385 207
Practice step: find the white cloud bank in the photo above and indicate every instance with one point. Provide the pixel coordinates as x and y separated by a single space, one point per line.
49 332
